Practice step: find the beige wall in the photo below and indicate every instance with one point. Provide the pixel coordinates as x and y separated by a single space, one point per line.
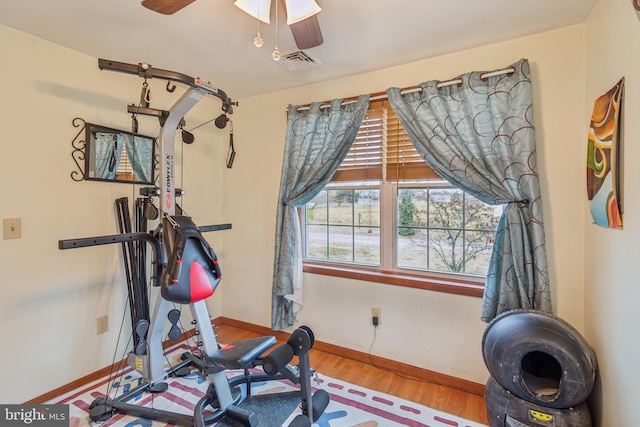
436 331
612 294
50 299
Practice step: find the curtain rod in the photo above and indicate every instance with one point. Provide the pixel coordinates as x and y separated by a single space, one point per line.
376 97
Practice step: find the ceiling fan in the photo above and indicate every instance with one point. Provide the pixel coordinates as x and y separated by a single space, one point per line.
304 27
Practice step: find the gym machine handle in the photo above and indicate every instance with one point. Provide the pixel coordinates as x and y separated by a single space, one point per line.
119 238
217 227
148 72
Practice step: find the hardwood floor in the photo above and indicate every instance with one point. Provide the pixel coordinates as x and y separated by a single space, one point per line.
358 369
463 404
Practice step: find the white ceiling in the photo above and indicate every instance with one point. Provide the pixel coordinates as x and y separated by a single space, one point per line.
213 39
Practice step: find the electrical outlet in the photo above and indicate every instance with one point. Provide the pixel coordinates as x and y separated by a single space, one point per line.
102 324
11 228
376 312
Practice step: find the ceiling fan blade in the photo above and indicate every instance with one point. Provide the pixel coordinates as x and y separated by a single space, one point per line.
307 32
166 7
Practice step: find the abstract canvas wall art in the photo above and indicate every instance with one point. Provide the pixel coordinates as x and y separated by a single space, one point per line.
604 159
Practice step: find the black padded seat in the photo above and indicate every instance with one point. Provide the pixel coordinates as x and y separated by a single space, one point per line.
238 355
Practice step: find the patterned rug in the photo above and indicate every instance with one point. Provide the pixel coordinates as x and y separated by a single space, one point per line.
350 405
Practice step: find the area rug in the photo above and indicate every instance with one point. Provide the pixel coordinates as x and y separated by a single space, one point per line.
350 405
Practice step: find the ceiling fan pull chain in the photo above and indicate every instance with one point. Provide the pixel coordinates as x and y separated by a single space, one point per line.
275 55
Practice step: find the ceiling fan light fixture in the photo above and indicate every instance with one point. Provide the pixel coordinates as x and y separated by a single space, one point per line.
259 9
299 10
276 55
257 40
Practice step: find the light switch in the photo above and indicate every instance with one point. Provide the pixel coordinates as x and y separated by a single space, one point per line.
11 228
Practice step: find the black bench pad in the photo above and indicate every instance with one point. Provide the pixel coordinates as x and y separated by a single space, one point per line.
238 355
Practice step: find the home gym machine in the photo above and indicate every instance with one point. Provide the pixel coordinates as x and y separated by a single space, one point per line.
186 270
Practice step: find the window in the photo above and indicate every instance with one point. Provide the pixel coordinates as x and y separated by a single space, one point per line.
343 225
444 229
387 212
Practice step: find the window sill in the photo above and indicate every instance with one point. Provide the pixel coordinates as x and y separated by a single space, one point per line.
460 286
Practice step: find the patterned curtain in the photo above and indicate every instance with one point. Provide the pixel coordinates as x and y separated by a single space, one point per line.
480 137
108 153
316 143
140 153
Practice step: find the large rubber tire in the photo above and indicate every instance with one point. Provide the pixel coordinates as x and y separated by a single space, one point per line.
503 408
540 358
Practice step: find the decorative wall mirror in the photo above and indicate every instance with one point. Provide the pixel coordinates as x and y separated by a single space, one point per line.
118 156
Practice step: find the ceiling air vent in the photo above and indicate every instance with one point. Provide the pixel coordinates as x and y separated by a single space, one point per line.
298 60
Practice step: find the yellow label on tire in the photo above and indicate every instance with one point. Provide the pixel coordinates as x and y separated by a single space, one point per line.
541 418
